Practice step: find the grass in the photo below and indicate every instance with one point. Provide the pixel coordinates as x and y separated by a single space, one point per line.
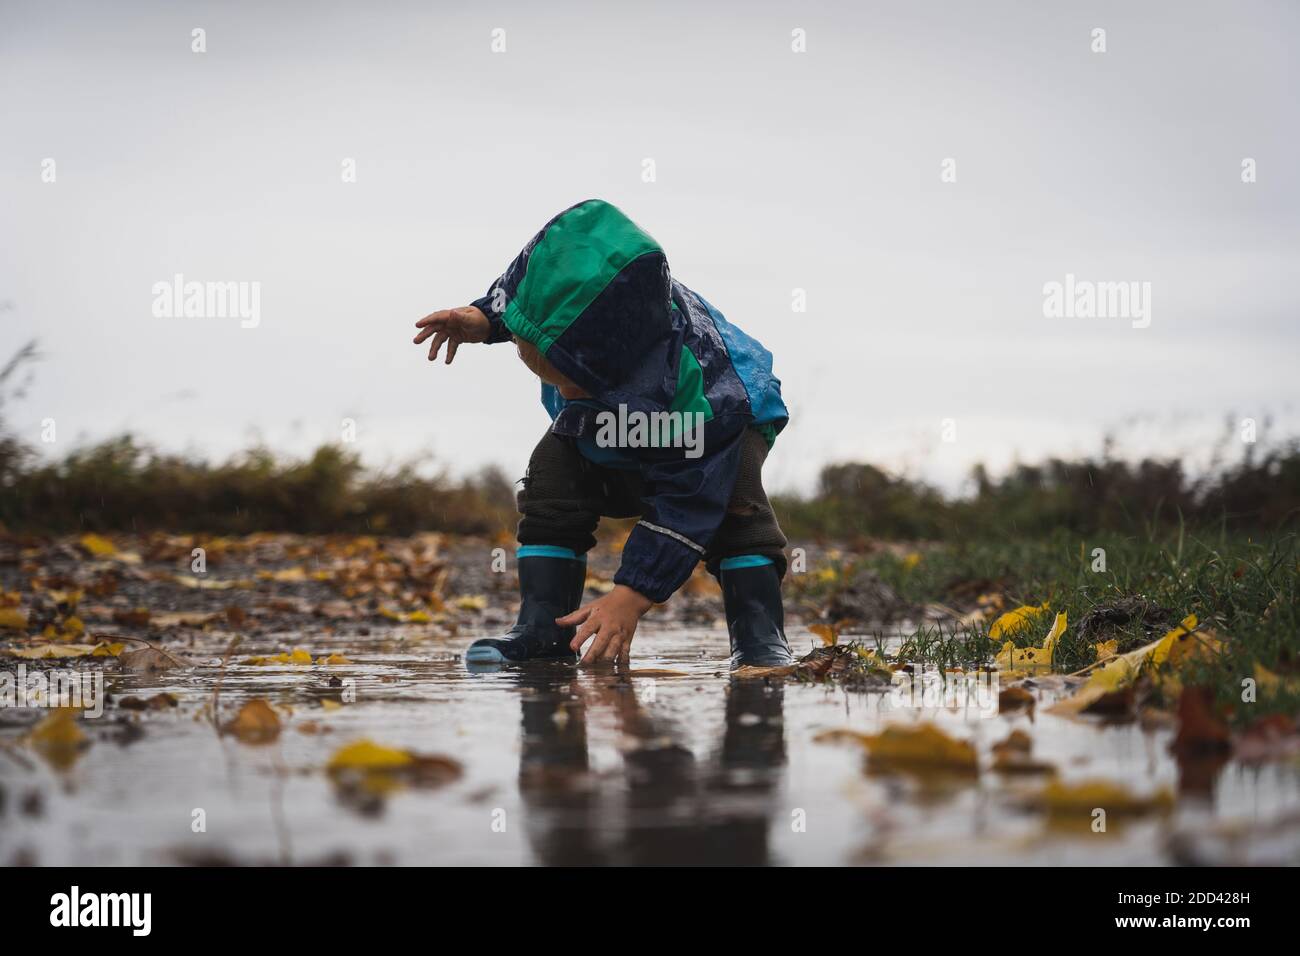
1244 588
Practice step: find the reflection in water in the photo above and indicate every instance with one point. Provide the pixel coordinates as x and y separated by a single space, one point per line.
664 805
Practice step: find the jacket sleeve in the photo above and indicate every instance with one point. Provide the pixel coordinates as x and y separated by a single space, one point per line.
686 500
493 305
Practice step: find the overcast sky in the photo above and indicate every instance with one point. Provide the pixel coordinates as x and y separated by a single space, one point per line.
774 171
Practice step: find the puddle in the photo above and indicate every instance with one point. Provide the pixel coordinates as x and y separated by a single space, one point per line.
563 767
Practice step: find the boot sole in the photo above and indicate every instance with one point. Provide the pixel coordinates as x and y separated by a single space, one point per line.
485 655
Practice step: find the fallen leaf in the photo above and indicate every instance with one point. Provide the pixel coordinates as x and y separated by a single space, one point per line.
13 619
256 723
1015 698
1076 802
1122 670
40 652
97 546
827 632
151 660
1032 659
1016 620
368 755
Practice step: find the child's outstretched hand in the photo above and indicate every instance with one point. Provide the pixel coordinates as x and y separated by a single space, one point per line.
612 619
453 326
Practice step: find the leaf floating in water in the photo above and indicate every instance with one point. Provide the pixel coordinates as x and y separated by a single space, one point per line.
256 723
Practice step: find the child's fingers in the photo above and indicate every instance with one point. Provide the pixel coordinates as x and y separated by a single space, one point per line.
574 617
597 650
434 317
437 344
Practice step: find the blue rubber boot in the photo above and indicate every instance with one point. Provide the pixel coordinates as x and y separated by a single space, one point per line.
551 582
751 593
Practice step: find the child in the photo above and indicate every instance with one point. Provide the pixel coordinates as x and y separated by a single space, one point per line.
660 410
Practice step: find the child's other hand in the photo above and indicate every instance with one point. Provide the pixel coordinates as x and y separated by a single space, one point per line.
612 619
453 326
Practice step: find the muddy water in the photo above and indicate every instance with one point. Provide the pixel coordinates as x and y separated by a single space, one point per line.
565 767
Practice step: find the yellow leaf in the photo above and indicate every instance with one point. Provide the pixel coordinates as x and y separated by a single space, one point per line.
1017 619
1079 800
284 574
911 561
58 738
1123 669
470 602
97 546
829 635
40 652
333 659
13 619
1106 649
1032 658
368 755
412 617
923 747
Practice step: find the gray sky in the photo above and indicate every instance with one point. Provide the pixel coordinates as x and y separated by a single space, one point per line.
775 171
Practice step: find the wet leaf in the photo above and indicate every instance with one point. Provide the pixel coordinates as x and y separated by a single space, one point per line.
921 747
827 632
151 660
368 755
1075 802
13 619
1122 670
97 546
58 738
1014 621
299 656
256 723
47 651
1032 659
1013 699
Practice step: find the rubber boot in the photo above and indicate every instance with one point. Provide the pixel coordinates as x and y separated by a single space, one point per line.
549 587
751 593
